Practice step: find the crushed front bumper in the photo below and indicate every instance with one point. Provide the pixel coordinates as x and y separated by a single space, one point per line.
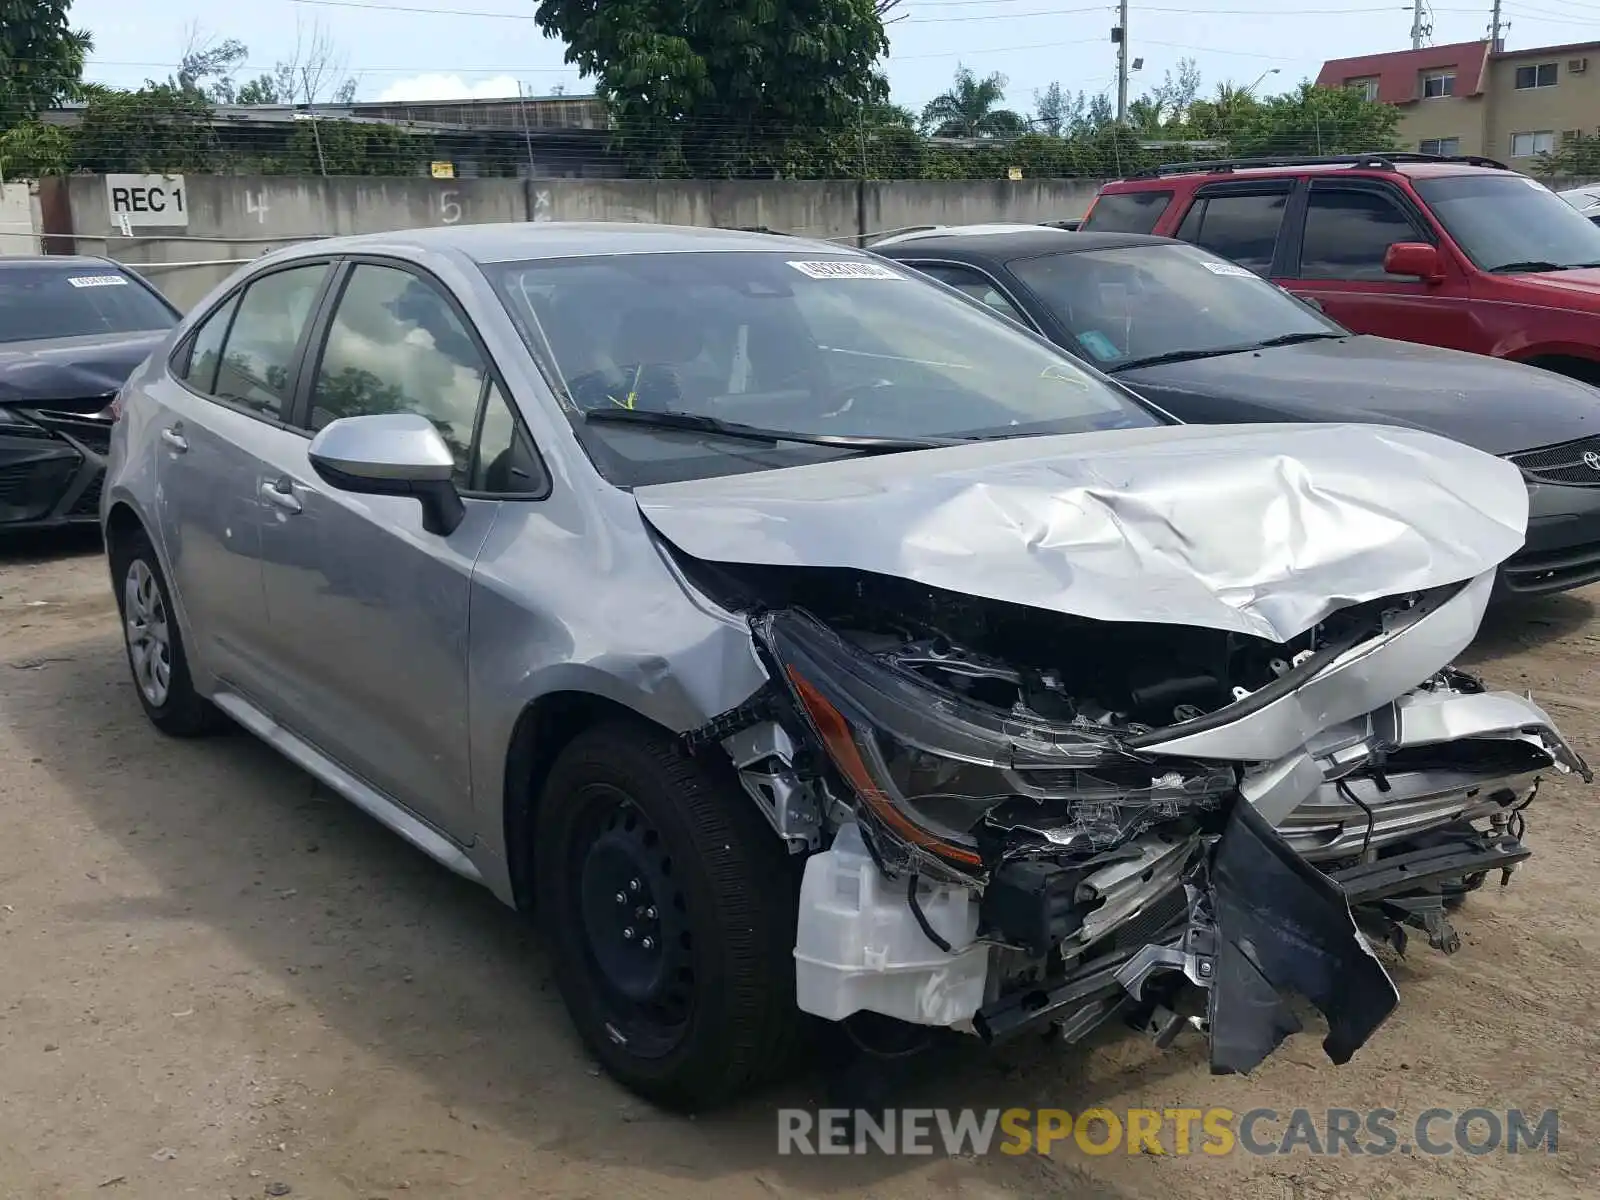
52 466
1282 902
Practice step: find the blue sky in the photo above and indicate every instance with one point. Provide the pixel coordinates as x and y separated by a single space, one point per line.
409 49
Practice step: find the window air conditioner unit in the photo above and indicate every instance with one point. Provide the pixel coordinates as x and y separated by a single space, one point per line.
1577 66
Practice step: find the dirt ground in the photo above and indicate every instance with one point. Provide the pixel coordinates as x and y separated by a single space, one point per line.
217 980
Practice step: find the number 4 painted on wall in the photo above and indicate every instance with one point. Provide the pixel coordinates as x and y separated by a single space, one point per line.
255 203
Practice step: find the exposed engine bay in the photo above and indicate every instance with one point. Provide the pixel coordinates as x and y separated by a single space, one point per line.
1022 819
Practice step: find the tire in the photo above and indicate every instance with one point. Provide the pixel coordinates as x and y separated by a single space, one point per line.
154 643
636 841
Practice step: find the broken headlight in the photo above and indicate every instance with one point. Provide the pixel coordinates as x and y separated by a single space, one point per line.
966 782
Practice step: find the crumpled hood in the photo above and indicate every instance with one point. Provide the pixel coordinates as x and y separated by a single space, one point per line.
72 368
1258 529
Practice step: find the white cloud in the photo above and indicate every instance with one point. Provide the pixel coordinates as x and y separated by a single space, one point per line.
449 87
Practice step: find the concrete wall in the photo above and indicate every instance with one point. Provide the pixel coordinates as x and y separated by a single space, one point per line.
891 206
233 219
810 208
19 220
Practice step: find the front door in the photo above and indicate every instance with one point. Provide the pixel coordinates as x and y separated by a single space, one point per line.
1349 225
368 610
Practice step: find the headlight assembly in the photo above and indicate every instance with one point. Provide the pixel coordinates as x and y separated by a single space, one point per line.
962 781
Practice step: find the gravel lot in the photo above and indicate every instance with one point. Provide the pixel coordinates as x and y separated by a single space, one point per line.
217 980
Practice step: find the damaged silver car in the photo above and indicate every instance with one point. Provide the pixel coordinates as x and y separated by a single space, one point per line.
800 641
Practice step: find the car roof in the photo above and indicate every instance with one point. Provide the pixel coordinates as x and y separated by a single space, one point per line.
1414 170
1021 243
56 260
981 230
508 241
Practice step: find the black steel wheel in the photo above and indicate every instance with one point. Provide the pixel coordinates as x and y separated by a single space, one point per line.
635 921
670 905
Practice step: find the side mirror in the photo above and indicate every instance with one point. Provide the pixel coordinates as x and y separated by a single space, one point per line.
1414 258
392 454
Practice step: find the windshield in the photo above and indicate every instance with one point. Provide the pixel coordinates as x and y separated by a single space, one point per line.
793 341
46 301
1129 304
1502 221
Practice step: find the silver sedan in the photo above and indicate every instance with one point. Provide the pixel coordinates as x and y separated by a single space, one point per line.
796 637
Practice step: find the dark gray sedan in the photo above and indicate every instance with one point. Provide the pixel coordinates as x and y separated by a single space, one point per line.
1213 343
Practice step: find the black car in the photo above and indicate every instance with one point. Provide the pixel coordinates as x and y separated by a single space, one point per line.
71 332
1211 342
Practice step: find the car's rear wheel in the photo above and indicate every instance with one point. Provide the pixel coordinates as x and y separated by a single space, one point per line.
155 645
670 906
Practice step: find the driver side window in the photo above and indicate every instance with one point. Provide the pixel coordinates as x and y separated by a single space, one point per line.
395 344
976 285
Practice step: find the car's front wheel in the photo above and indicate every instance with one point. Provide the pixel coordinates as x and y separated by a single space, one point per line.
154 644
670 906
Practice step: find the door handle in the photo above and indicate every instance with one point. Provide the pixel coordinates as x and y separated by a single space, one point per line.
280 494
174 439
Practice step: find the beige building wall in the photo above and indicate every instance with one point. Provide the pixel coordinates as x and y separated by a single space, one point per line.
1461 117
1572 102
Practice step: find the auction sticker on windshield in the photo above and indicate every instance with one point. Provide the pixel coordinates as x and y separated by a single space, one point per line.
83 281
845 270
1217 268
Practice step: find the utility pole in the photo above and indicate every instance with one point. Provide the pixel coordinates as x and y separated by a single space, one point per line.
1419 28
1495 26
1119 35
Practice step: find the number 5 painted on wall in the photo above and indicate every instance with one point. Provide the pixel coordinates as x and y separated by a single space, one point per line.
449 210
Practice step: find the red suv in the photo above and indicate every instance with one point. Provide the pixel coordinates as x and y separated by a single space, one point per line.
1457 252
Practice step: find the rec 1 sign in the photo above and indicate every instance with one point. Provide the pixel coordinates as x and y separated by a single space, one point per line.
147 200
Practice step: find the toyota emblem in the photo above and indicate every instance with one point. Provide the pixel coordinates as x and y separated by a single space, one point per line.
1591 460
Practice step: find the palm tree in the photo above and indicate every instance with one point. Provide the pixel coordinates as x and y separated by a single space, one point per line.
971 109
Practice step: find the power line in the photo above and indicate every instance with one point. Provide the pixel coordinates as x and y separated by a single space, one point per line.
423 10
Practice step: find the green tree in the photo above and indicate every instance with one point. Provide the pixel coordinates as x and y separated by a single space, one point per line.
1052 111
206 68
970 108
41 58
1314 120
158 128
723 88
1578 156
33 149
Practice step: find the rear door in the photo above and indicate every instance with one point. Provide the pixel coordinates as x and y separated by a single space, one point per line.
1334 255
222 408
1241 221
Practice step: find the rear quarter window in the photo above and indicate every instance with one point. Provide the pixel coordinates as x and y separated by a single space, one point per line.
1127 212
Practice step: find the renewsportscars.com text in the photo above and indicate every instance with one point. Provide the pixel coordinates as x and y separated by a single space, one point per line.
1175 1131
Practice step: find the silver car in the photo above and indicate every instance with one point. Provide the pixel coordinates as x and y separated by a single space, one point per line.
795 637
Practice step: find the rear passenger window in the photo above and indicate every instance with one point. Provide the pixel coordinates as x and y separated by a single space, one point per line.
1127 212
1243 227
205 350
1348 230
258 355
